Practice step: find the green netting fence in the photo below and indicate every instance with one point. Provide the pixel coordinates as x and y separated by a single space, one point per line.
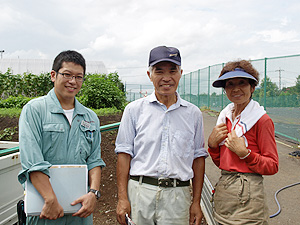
278 91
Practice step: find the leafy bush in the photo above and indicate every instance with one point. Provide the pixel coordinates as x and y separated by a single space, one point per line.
36 85
14 102
7 133
100 92
106 111
28 84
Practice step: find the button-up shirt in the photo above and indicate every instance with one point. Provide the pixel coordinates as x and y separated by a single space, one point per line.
46 137
162 142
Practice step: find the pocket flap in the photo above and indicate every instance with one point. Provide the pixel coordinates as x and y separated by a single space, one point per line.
56 127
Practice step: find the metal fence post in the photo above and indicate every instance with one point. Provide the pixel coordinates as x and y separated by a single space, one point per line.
208 89
265 85
191 86
141 95
184 86
198 88
222 91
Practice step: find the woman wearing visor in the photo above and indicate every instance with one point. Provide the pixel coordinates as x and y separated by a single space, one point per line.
242 145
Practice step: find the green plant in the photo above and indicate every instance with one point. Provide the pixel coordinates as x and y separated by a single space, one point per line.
107 111
99 92
10 112
14 102
28 84
7 133
36 85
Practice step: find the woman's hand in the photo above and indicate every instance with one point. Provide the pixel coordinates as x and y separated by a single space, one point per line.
236 144
218 134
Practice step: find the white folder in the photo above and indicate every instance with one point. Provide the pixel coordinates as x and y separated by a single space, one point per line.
69 182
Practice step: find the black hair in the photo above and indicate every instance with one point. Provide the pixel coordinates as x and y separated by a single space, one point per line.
68 56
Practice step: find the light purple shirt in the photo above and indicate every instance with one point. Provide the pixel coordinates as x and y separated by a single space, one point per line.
162 142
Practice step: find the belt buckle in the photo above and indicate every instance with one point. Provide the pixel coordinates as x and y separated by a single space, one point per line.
165 182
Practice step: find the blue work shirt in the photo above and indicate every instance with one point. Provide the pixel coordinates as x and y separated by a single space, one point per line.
162 142
46 138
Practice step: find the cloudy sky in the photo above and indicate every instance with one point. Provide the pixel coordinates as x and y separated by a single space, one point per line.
121 33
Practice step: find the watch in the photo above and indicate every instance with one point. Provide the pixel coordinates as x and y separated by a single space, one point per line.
96 192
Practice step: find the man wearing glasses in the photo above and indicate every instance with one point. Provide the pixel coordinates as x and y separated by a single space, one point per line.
56 129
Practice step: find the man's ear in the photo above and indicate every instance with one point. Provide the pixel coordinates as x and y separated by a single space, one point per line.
53 75
149 75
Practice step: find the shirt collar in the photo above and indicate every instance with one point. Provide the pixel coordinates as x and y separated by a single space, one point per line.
179 102
56 107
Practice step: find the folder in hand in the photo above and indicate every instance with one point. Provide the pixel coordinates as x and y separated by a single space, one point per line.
69 182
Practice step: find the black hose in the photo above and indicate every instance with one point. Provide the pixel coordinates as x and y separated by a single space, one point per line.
279 208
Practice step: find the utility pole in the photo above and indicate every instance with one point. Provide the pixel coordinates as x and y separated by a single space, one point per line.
2 51
279 71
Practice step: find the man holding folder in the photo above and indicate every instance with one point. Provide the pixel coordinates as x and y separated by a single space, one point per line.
56 129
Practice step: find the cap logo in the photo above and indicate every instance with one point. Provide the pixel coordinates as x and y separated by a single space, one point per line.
173 55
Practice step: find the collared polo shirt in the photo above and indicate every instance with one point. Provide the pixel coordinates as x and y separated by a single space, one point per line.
162 142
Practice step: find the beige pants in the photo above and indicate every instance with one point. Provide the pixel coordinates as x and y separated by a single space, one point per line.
160 206
240 199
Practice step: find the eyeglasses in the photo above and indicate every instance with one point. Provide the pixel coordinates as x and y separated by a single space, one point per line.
70 77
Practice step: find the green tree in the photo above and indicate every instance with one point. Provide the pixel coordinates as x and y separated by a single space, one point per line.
271 89
114 77
100 92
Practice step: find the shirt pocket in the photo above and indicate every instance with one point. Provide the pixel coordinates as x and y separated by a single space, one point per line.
54 136
182 143
86 140
88 133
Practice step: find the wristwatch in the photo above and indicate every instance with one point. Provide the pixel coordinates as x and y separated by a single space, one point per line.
96 192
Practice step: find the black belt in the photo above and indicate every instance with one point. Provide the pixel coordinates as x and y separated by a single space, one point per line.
161 182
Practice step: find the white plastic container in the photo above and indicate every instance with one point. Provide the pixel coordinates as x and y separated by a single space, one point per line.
11 191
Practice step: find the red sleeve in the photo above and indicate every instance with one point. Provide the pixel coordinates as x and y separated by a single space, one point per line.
215 155
264 162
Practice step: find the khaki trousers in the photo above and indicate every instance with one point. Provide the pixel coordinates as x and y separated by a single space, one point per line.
240 199
153 205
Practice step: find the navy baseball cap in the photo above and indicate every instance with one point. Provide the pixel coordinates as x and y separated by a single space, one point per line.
163 53
238 72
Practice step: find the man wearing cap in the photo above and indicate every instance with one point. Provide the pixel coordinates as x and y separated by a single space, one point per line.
160 147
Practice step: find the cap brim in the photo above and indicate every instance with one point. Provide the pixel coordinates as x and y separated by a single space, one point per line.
220 82
165 60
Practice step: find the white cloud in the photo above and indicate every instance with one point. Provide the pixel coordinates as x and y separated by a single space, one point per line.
121 34
102 43
276 35
26 54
